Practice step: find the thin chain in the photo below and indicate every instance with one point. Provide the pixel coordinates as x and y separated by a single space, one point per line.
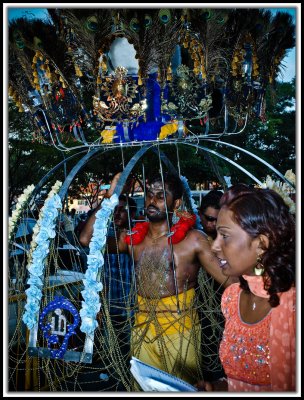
157 237
170 239
253 307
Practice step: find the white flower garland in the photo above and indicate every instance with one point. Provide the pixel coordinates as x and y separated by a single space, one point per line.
54 190
44 230
283 189
92 287
20 205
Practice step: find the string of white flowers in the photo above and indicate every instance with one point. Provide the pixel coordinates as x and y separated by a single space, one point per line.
192 202
44 230
20 205
283 189
54 190
92 287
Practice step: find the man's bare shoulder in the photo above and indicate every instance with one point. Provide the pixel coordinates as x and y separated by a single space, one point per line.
199 237
196 234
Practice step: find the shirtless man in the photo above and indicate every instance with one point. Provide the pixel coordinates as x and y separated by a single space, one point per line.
166 333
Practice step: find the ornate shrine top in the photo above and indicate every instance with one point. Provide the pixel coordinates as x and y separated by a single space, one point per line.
199 71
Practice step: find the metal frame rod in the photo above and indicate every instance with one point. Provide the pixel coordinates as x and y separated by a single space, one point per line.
256 157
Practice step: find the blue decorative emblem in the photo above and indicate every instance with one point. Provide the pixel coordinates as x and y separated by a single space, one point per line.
58 325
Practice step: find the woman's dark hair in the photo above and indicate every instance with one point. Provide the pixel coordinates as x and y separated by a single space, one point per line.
263 211
173 182
235 190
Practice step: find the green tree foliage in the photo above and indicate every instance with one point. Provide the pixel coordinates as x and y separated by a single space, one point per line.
274 140
28 160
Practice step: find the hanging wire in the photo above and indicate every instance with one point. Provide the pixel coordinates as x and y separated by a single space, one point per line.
65 175
169 234
130 225
144 183
178 162
215 169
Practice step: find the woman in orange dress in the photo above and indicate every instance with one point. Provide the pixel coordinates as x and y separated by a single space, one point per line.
256 242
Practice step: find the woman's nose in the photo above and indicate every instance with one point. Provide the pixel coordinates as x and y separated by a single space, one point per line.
215 247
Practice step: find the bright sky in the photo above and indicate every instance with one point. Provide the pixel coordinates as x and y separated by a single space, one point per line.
289 72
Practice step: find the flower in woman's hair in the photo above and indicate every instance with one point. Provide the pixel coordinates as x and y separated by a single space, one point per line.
283 189
290 176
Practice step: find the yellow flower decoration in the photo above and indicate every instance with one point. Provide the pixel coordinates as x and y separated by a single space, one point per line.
107 135
167 130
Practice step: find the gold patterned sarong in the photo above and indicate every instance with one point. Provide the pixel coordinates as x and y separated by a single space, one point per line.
166 339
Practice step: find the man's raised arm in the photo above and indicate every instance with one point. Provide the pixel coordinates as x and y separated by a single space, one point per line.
87 231
211 263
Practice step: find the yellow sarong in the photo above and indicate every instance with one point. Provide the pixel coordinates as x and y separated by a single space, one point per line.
167 340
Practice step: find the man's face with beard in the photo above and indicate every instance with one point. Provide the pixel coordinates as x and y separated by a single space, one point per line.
155 202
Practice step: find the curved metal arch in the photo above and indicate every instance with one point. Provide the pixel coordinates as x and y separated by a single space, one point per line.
46 177
131 164
64 188
226 159
141 152
254 156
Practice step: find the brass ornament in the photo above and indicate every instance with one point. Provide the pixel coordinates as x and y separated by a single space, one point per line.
186 95
116 102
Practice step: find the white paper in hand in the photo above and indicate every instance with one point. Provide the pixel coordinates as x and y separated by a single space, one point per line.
152 379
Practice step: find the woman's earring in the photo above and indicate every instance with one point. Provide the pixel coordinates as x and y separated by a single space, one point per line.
259 268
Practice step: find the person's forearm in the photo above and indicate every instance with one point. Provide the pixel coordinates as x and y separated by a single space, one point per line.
87 231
